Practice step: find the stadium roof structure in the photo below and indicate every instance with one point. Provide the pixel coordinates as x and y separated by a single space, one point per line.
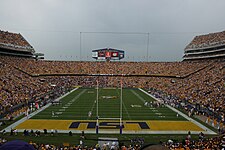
14 42
206 46
207 41
109 49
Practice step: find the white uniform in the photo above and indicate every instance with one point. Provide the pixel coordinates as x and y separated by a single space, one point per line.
89 114
146 104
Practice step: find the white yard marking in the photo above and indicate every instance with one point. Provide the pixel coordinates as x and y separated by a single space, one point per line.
124 106
68 104
58 113
91 111
61 109
12 126
142 99
207 130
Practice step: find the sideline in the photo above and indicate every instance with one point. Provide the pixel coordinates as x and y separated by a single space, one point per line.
206 130
12 126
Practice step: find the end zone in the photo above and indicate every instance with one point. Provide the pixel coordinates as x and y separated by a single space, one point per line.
108 126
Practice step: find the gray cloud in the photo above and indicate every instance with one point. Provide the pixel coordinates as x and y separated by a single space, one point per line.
53 26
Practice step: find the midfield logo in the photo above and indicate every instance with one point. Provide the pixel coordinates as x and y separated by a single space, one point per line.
109 124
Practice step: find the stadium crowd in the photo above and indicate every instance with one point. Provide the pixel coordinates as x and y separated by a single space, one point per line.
135 143
41 67
205 88
208 40
13 40
18 88
215 143
192 83
202 143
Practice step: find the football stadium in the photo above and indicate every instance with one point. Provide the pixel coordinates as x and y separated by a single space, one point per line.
109 101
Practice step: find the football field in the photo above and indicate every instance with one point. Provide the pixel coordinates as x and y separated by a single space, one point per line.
141 113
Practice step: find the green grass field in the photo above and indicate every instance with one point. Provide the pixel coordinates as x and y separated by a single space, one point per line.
77 105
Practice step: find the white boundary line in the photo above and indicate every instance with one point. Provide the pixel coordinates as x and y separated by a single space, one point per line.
12 126
207 130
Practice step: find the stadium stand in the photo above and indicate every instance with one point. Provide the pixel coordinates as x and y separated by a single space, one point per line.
15 44
173 69
18 88
188 144
193 83
14 41
202 143
206 46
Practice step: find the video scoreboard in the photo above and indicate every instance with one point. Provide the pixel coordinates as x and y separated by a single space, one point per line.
107 54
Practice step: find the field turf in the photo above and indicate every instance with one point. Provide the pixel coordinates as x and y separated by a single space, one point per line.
78 111
78 104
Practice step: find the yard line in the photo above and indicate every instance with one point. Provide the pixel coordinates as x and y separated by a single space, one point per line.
138 96
76 97
12 126
126 111
155 111
207 130
92 108
125 108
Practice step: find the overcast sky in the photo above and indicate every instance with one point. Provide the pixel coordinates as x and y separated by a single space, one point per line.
54 27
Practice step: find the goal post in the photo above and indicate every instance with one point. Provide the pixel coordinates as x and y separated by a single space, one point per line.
115 122
118 119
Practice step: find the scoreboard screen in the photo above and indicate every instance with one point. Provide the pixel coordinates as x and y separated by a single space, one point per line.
107 54
101 54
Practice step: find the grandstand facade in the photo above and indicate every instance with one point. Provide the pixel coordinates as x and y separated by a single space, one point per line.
209 46
15 44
